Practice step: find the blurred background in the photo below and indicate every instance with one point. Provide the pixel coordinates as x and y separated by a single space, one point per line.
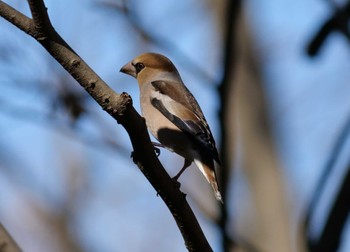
272 78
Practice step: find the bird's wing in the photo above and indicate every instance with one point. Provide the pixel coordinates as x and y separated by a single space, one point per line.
177 104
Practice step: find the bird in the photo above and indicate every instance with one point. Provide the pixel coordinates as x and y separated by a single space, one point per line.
173 115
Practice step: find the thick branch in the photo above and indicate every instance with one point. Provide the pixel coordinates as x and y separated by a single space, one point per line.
119 107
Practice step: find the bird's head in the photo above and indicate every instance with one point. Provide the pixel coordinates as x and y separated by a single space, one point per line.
149 67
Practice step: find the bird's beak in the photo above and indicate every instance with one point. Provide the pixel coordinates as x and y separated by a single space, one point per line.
129 69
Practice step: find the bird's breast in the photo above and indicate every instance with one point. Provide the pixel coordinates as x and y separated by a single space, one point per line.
163 129
155 120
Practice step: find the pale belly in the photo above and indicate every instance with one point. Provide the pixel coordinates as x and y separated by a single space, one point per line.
165 131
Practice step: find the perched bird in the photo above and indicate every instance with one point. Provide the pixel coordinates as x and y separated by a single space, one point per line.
173 115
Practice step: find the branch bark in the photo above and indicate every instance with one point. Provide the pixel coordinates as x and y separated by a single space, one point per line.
119 106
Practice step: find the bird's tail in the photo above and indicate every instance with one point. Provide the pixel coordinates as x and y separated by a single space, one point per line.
208 171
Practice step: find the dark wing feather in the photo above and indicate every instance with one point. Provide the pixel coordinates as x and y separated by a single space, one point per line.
198 129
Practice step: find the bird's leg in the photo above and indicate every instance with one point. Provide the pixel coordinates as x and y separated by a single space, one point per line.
156 149
187 163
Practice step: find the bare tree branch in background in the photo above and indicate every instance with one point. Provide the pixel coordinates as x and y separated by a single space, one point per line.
338 22
331 235
7 244
232 12
269 228
64 106
339 145
154 38
103 143
119 106
332 232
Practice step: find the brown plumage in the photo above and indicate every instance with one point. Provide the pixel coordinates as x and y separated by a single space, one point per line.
173 115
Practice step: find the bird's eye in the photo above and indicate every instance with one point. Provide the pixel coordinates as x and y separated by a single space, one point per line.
139 67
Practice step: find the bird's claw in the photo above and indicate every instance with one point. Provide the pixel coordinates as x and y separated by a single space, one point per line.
157 151
156 147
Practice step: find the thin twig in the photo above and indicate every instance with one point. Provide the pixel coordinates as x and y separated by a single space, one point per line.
16 18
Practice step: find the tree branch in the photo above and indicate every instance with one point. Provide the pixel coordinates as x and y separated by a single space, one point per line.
39 14
16 18
120 108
